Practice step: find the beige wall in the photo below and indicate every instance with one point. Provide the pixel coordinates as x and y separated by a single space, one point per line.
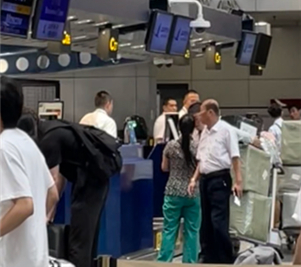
132 87
232 86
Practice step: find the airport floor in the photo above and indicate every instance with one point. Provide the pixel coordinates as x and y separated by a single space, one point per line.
288 255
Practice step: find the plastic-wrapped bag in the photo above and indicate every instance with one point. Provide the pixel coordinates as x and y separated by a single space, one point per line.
297 214
268 144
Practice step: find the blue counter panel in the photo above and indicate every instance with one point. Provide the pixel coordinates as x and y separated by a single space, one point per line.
126 222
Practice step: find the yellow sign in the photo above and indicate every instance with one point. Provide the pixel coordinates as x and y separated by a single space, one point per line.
217 58
67 39
113 45
24 10
158 240
187 54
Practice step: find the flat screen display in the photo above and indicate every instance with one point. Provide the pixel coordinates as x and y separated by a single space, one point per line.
246 49
180 36
159 32
15 17
262 50
50 19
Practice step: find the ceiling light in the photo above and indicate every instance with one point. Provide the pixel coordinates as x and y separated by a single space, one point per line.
196 40
199 55
84 21
71 18
137 47
118 26
99 24
261 23
125 45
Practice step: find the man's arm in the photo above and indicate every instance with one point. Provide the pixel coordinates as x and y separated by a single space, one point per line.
21 210
233 149
59 179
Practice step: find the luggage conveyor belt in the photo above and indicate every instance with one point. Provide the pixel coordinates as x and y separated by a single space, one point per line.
151 254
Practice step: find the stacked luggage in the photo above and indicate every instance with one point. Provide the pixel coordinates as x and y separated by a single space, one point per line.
289 183
251 219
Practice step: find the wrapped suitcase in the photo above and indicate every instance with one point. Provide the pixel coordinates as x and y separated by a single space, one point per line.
291 143
255 169
252 218
53 262
290 181
289 202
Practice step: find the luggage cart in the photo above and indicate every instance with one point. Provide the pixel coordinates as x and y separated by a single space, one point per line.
274 238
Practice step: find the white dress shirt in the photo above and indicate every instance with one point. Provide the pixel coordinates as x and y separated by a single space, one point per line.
276 130
217 147
182 112
101 120
159 127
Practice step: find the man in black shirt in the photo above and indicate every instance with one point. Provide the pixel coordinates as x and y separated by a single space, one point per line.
64 156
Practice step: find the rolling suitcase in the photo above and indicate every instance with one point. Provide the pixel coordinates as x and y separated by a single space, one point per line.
58 240
53 262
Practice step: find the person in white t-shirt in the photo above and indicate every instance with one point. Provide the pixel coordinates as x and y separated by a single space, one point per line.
27 190
100 118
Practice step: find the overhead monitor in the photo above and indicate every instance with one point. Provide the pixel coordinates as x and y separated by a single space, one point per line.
246 48
49 20
262 50
158 32
171 126
180 37
15 17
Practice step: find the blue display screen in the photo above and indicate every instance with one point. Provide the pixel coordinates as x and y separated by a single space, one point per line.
247 49
160 33
15 17
181 37
50 19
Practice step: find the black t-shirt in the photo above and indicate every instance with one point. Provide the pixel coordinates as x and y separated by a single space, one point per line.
60 147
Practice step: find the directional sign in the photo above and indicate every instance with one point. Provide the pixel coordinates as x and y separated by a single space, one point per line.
107 44
213 57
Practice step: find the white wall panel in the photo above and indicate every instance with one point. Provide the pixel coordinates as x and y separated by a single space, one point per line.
67 95
227 93
175 73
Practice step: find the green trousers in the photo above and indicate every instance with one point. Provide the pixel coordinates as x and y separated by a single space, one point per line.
175 208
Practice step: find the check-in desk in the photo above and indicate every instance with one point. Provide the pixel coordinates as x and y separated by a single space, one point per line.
127 221
160 179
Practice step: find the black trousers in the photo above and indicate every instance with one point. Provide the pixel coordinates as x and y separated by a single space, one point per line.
88 198
215 239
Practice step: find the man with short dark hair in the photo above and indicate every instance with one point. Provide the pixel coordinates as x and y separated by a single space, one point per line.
28 191
100 118
169 105
218 150
190 97
295 112
275 111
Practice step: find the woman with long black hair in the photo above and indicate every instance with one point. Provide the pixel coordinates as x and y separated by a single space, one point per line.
179 160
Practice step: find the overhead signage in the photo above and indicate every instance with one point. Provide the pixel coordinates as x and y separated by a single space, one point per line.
159 32
181 36
107 44
15 17
213 57
50 19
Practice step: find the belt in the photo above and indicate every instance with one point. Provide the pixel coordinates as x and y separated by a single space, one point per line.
216 174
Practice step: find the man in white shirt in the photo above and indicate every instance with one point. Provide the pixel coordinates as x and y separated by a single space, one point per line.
27 191
100 118
169 105
275 111
190 98
218 150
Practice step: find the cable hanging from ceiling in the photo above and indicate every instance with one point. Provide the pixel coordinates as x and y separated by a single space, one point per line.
228 5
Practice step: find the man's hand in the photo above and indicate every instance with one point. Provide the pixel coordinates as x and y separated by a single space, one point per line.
238 188
191 187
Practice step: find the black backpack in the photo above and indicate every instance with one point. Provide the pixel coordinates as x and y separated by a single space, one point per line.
100 149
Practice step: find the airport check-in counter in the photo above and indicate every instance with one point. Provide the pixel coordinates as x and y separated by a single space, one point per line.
159 180
126 224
